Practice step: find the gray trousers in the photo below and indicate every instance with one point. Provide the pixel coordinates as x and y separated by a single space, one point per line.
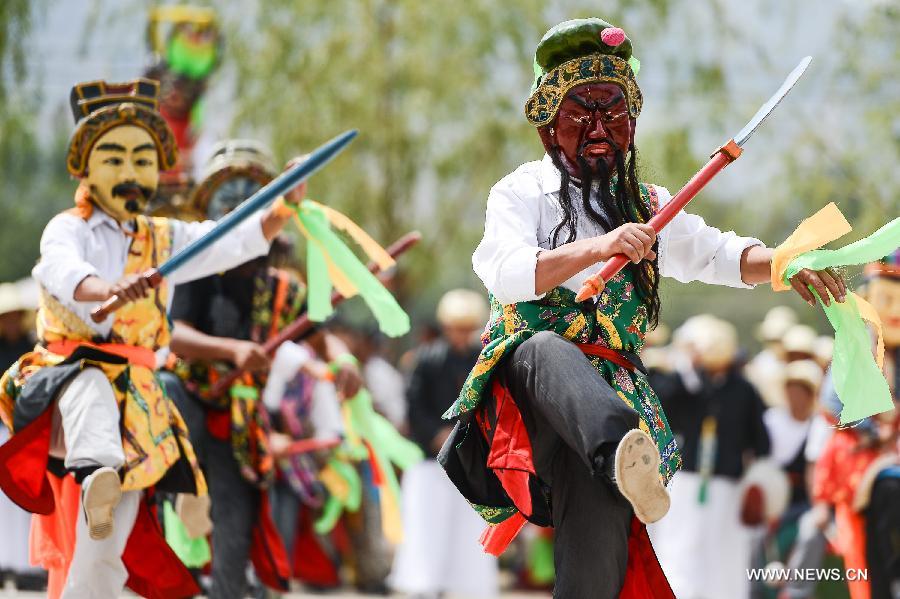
235 502
574 421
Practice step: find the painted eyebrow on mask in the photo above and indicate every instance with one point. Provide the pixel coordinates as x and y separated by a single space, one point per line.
145 147
614 99
111 147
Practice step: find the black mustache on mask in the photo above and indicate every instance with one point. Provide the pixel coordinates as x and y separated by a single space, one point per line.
594 142
128 191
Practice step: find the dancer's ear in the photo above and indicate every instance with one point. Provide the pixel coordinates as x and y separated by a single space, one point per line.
547 133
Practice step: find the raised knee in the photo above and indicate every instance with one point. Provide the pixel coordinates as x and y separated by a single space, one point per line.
544 343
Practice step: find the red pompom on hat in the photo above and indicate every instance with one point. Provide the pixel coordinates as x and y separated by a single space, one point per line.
612 36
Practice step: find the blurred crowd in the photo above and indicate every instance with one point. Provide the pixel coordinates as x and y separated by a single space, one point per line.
769 481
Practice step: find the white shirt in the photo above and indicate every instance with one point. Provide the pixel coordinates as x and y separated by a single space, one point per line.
388 390
523 209
72 249
786 434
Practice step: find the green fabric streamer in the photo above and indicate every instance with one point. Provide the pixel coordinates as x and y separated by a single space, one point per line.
389 449
540 561
858 381
238 391
392 320
194 553
334 506
388 445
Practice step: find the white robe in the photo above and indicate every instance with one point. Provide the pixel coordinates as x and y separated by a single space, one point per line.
440 551
704 549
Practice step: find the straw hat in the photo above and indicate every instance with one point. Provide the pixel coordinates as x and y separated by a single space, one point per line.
19 296
807 372
713 341
800 339
776 323
462 308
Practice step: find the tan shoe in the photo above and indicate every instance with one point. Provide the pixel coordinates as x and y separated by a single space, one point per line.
101 493
193 510
637 476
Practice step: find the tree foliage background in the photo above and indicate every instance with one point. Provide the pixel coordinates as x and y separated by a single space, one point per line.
437 91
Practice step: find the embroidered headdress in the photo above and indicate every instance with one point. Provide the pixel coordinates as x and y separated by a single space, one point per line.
577 52
99 106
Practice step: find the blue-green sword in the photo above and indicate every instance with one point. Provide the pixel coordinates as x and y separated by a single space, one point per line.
279 186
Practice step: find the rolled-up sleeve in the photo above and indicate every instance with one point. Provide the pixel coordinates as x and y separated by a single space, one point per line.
691 250
63 265
243 243
506 258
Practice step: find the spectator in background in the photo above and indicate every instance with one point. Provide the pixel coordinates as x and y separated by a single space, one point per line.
790 427
800 343
384 382
766 369
824 351
717 418
18 302
440 552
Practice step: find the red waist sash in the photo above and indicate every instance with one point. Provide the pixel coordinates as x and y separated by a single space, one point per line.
137 356
606 353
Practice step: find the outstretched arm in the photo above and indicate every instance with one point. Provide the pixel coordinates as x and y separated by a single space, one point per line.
756 267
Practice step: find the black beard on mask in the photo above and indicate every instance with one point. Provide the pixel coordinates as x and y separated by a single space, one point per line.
610 208
602 176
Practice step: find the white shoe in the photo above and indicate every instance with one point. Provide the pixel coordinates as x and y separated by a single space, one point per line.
101 493
637 476
193 511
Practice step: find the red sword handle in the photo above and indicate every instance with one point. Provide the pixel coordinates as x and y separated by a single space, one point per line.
718 161
115 302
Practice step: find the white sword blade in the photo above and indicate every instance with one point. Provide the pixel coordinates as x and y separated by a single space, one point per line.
767 108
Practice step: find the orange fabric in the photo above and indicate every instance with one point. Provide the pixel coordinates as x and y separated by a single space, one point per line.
52 542
824 226
136 355
495 539
281 291
83 205
837 474
851 533
840 468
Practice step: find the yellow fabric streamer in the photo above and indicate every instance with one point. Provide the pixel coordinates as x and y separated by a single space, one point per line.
823 227
391 522
334 483
371 247
868 313
340 281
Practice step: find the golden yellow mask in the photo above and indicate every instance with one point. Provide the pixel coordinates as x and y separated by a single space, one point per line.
123 171
884 295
